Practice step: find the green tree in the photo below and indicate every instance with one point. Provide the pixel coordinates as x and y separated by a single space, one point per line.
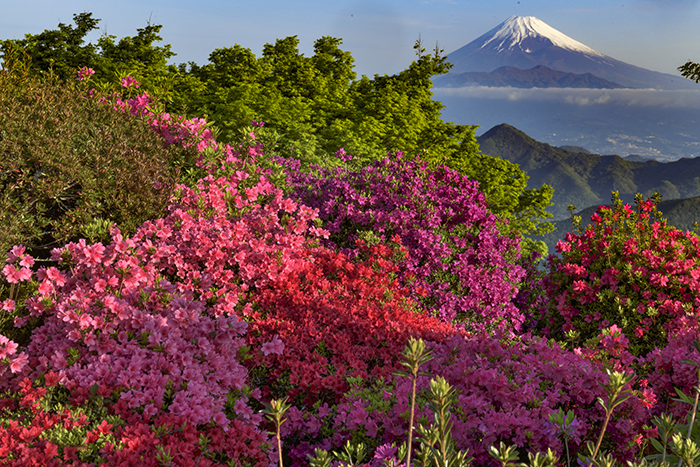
690 70
138 52
304 101
64 50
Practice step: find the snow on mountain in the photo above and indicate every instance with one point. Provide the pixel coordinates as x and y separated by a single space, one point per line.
525 42
517 30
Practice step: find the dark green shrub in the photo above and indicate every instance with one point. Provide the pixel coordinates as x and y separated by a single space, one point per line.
70 165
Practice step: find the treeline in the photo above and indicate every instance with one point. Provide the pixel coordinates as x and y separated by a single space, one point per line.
311 106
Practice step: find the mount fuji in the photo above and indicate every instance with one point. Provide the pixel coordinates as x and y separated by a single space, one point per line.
525 42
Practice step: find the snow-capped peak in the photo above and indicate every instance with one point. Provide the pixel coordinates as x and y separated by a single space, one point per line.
516 29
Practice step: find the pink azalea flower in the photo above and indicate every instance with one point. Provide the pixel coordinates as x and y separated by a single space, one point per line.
14 275
128 82
7 347
19 363
275 346
45 288
15 253
26 261
57 276
85 73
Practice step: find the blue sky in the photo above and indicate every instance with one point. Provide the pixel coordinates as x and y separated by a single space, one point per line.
656 34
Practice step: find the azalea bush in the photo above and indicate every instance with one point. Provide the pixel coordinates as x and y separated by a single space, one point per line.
671 368
370 316
167 346
458 265
628 268
152 348
505 392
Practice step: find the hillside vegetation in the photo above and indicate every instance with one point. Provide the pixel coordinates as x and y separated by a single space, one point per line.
588 179
311 106
272 311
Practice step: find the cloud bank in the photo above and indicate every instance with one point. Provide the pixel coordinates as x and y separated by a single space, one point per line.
580 97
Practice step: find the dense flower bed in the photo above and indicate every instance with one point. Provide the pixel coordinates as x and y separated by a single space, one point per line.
167 347
458 265
506 391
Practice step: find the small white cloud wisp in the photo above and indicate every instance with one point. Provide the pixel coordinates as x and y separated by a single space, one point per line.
580 97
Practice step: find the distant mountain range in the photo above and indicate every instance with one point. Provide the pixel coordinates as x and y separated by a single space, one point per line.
525 42
536 77
584 179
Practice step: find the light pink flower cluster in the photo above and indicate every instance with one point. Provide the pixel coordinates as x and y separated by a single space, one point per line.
85 73
153 321
129 82
20 272
174 129
157 312
7 350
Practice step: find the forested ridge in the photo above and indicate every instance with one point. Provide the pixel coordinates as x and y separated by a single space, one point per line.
311 106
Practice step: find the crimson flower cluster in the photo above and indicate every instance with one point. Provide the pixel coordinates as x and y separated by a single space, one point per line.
627 268
27 440
339 320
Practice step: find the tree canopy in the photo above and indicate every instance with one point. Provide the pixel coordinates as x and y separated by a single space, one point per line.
690 70
312 106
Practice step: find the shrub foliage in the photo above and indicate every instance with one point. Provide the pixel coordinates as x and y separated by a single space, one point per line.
70 166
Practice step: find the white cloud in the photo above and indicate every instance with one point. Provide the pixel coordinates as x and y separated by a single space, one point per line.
580 97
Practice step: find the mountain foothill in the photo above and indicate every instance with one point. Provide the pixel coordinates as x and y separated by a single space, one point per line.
538 76
586 180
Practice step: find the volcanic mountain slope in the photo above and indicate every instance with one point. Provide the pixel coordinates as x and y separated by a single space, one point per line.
585 179
537 77
525 42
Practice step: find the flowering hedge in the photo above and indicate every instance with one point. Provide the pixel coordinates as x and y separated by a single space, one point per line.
458 265
162 347
630 269
506 392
